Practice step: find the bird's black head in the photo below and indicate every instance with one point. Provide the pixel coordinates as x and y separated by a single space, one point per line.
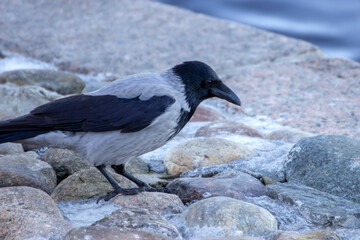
201 82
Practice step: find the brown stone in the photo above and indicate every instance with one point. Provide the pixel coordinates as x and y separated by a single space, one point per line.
313 235
112 233
229 183
28 198
20 224
153 201
226 128
205 113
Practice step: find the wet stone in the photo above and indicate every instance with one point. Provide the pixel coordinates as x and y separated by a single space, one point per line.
317 207
226 128
227 217
229 183
58 81
28 198
140 219
328 163
152 201
26 169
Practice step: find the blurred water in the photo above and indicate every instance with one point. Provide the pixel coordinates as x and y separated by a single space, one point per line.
334 25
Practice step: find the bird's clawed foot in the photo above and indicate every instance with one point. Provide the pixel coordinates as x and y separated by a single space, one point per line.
134 191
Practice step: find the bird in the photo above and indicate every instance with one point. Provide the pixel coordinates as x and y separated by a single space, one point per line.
122 120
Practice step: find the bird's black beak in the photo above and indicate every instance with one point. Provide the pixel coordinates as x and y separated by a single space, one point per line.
222 91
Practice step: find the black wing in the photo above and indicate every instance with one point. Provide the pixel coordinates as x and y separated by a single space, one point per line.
85 113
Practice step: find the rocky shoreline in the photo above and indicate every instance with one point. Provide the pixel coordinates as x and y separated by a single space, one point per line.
240 174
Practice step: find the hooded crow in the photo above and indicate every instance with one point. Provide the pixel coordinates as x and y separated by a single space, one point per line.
122 120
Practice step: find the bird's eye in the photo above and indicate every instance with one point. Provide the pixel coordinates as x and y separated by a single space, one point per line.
209 82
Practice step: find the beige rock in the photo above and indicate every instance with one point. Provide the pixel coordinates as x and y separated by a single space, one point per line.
200 152
154 179
28 198
19 100
26 224
137 165
226 128
88 183
112 233
26 169
288 135
227 217
153 201
9 148
313 235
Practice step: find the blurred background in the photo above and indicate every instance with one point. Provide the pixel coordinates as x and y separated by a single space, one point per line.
333 25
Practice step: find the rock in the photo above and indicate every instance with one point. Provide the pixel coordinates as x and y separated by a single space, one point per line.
227 217
26 224
2 55
111 233
317 207
328 163
28 198
88 183
154 179
152 201
267 180
10 148
226 128
137 165
233 238
313 235
205 113
140 219
19 100
201 152
288 135
65 162
26 169
228 183
58 81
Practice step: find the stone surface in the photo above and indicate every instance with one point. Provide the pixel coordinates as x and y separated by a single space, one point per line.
111 233
228 183
317 96
154 179
2 55
26 169
88 183
206 113
233 238
227 217
137 165
318 207
65 162
327 163
140 219
58 81
201 152
226 128
89 46
19 100
313 235
28 198
9 148
27 224
152 201
288 135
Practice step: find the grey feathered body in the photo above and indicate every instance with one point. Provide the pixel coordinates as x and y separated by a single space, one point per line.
115 147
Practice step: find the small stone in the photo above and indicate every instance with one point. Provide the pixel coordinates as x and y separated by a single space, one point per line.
233 238
228 183
28 198
10 148
328 163
268 180
155 180
2 55
58 81
200 152
227 217
317 207
111 233
137 165
140 219
287 134
65 162
26 169
226 128
26 224
152 201
205 113
313 235
88 183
